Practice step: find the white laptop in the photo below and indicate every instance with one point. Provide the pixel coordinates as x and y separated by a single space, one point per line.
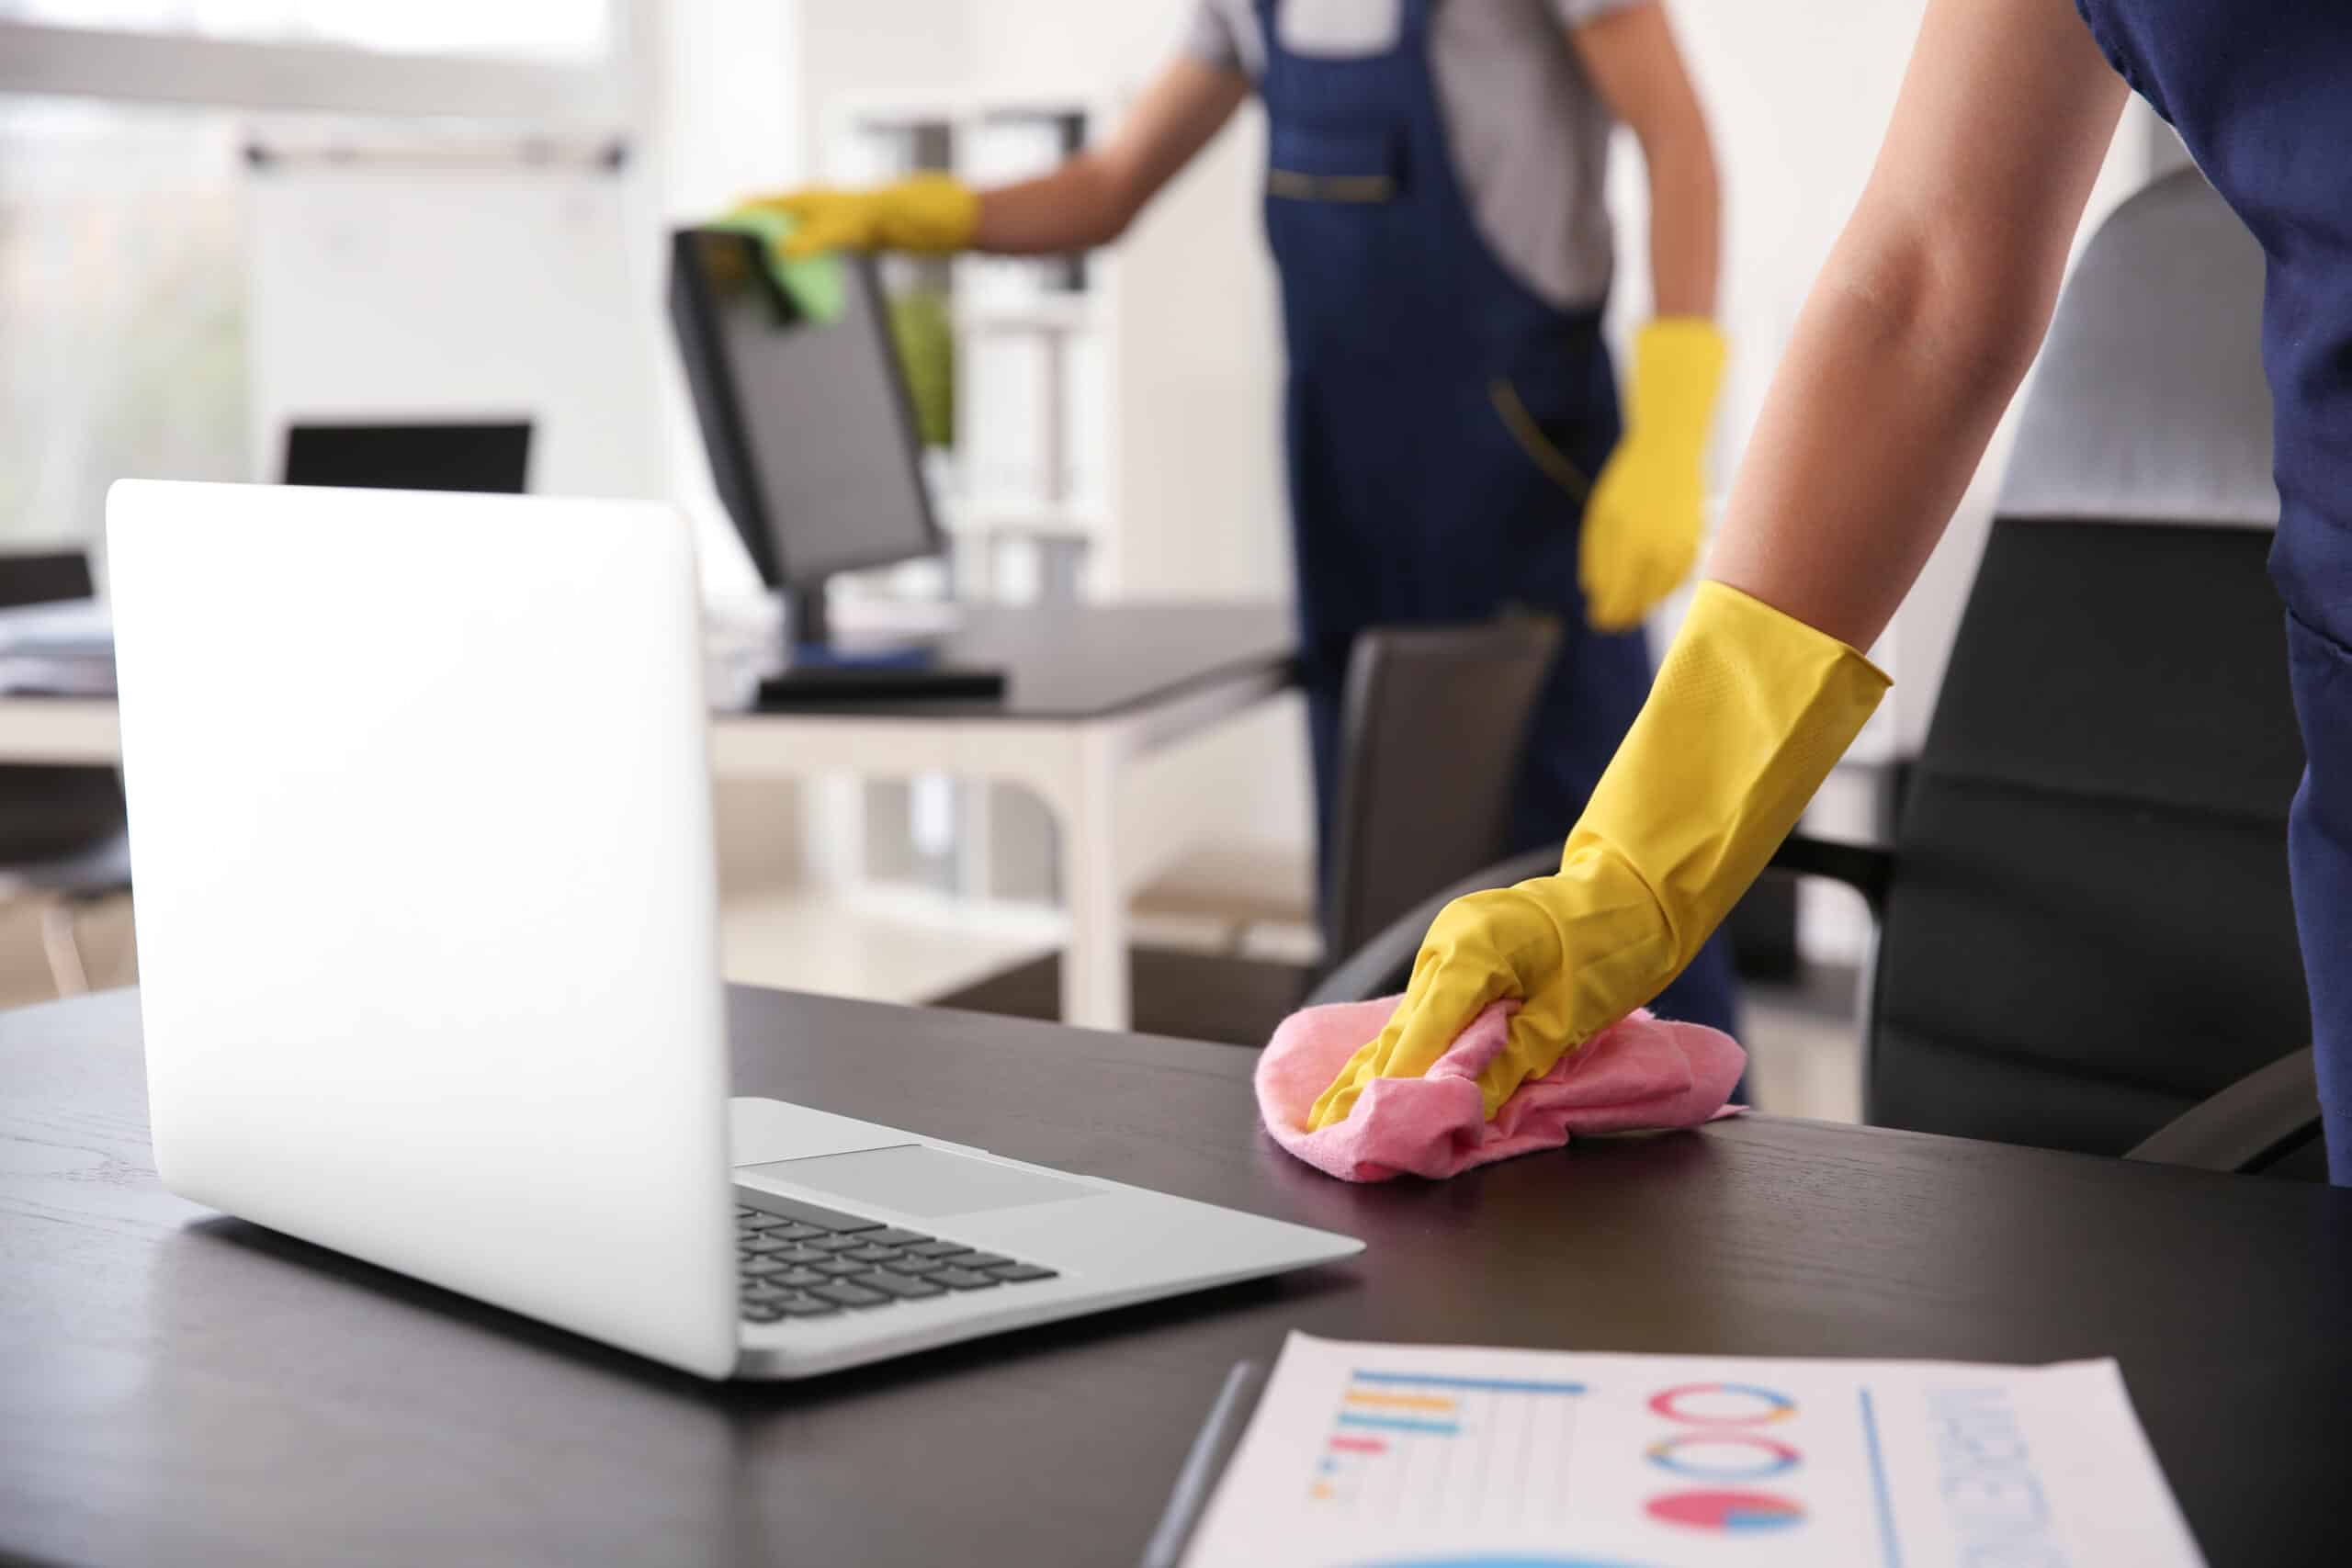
420 814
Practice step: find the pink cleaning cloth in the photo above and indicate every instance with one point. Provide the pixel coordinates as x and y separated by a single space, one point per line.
1641 1074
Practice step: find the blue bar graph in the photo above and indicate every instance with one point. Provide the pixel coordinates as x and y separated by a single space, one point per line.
1482 1385
1400 1424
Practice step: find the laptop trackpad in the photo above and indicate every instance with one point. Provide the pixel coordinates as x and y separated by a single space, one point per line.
913 1180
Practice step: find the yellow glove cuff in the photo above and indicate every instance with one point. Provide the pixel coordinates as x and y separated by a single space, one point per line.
930 213
1750 710
1678 371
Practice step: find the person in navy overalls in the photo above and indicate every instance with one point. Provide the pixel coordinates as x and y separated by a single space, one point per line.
1442 420
1433 201
2261 93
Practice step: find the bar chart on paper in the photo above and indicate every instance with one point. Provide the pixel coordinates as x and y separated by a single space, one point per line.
1426 1448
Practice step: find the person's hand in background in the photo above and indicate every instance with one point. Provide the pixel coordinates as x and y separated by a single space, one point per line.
932 213
1750 711
1643 519
1643 522
1087 200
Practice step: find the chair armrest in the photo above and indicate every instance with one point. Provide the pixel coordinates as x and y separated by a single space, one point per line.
2264 1116
1375 968
1862 867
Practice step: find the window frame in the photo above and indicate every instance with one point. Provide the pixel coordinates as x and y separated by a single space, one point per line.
41 58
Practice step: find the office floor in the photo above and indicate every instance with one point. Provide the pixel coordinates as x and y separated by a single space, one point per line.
1801 1038
1804 1050
102 932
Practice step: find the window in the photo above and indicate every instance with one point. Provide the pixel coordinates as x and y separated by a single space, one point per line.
121 304
556 31
122 275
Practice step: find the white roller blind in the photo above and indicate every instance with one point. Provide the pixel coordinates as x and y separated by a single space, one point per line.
384 291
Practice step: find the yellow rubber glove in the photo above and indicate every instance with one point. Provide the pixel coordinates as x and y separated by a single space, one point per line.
932 213
1642 523
1750 711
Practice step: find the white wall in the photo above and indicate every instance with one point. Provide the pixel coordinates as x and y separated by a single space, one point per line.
887 49
730 116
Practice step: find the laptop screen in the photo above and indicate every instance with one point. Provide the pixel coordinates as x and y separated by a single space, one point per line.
489 459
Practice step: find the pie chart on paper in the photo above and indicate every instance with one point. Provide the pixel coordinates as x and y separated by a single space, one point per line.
1726 1513
1519 1561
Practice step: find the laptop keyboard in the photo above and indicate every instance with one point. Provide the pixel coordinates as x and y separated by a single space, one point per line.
799 1260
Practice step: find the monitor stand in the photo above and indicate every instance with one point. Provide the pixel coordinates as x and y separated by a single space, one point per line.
818 672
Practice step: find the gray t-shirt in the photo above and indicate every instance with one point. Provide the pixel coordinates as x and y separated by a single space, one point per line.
1528 130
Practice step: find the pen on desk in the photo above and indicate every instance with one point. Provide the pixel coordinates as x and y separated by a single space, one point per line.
1194 1480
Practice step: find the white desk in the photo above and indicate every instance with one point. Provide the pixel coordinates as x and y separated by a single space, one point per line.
1092 690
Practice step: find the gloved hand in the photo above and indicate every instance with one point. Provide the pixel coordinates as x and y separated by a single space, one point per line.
932 213
1749 712
1643 521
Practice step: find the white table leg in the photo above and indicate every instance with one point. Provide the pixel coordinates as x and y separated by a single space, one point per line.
1094 965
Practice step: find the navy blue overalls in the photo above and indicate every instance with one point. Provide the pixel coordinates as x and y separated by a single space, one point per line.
2261 91
1443 420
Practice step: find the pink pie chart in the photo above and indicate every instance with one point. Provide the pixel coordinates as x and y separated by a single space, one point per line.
1726 1513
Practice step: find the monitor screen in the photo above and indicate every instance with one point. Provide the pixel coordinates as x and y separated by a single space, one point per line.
812 437
489 459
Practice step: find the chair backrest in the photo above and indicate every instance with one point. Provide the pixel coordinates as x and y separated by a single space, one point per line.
1432 729
2089 927
49 813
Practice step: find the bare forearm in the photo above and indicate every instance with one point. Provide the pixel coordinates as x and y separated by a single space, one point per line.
1877 417
1637 66
1686 222
1075 208
1926 316
1091 200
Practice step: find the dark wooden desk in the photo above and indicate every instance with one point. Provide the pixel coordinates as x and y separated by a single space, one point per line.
188 1389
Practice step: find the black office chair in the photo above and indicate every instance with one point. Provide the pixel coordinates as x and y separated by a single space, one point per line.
2084 929
1433 726
63 839
1380 965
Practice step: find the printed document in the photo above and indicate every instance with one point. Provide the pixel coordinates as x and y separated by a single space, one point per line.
1400 1456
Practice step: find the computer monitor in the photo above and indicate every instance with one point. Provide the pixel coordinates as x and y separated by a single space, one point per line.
487 458
809 427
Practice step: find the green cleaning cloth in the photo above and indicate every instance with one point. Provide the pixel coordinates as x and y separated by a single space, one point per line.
813 284
925 341
920 328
